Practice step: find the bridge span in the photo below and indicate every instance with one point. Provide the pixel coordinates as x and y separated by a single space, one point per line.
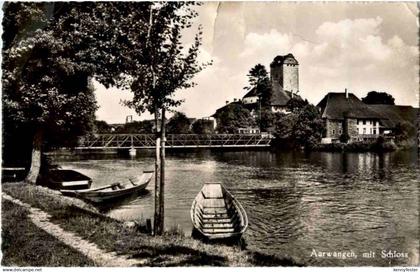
147 141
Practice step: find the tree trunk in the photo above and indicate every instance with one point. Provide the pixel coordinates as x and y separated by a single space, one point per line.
156 222
36 156
161 226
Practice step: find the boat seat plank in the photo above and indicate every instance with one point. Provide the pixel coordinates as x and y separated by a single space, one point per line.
214 203
212 191
217 226
215 215
218 230
216 220
215 211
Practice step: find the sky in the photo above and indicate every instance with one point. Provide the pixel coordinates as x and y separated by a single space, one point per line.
358 46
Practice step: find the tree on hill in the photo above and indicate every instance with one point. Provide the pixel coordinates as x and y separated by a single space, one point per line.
178 124
258 79
296 104
374 97
232 117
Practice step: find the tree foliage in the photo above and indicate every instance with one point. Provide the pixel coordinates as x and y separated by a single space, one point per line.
404 131
44 82
259 80
136 127
296 104
202 126
166 66
267 119
232 117
179 124
374 97
302 128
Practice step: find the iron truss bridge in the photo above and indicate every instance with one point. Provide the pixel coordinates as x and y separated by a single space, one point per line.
147 141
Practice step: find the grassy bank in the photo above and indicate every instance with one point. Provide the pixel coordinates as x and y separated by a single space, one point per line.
24 244
171 249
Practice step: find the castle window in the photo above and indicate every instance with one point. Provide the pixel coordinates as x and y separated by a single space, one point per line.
333 131
364 130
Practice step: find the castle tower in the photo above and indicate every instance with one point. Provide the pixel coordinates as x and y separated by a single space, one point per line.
284 74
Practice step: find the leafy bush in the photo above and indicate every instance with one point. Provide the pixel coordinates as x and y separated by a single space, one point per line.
302 129
344 138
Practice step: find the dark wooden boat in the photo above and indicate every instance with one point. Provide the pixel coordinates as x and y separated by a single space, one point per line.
112 191
216 214
62 179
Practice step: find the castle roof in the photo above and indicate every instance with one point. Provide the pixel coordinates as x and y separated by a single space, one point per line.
281 97
336 106
278 98
280 60
394 114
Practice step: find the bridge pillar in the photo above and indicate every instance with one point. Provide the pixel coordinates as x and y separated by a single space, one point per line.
132 152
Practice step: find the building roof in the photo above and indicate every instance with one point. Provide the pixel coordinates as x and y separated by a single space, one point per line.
226 105
281 97
279 60
336 106
394 114
278 98
251 93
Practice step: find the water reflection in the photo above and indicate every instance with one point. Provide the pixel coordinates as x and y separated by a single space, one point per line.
296 202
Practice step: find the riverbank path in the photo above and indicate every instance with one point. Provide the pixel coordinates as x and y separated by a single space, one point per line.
100 257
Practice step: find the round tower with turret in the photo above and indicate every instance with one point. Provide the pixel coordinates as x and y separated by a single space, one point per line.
284 74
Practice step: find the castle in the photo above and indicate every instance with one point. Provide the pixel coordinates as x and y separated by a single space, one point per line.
284 81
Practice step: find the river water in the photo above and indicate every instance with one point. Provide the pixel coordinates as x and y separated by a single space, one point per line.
298 204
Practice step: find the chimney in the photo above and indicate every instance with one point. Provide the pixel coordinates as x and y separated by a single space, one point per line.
292 94
227 102
347 93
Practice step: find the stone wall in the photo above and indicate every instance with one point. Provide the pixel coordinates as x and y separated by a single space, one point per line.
290 77
276 77
334 128
352 127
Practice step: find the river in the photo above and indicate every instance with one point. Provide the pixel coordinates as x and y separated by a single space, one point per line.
298 204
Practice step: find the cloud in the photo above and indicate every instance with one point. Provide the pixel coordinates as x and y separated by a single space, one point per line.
345 54
336 49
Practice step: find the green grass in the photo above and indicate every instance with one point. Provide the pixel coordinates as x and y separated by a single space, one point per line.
171 249
24 244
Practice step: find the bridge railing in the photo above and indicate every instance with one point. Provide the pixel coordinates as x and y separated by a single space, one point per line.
122 141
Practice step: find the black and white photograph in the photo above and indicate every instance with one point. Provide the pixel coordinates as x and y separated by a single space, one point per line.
210 134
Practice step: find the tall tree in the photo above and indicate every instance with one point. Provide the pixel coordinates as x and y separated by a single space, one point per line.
374 97
50 52
46 88
259 81
164 67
